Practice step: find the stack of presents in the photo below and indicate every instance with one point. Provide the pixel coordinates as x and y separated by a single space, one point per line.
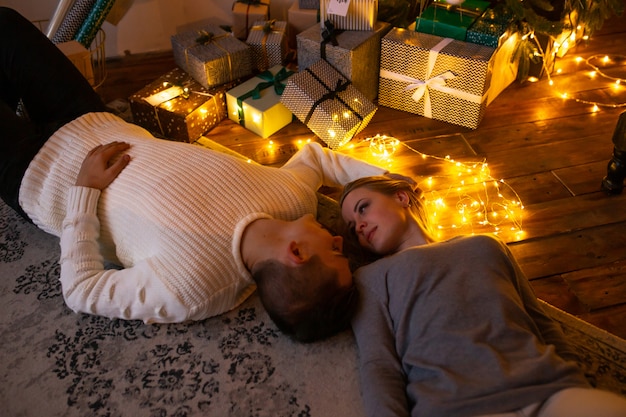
448 65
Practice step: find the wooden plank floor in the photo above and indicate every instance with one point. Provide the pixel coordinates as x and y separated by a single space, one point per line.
553 152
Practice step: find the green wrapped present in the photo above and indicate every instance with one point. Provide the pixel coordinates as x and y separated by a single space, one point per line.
450 21
488 29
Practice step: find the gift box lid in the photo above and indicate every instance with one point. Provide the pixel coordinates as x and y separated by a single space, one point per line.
208 43
346 39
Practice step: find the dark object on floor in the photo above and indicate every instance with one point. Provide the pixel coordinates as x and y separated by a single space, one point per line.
613 183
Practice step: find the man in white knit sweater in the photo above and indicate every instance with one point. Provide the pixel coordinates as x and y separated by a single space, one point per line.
186 224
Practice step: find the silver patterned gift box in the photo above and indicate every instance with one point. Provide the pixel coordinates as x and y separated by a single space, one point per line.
354 53
361 15
435 77
211 55
268 44
326 101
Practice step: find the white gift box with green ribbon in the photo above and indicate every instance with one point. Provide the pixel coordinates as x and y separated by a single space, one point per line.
256 104
435 77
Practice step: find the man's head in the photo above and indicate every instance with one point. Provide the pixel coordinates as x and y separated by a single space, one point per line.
307 289
306 302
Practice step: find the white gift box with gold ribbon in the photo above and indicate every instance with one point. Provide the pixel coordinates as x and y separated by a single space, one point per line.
435 77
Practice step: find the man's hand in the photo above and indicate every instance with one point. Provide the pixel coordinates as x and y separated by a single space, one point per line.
99 168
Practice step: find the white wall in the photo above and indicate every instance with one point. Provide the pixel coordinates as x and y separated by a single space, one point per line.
148 24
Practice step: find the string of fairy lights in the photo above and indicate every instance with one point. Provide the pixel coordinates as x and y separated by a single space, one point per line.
597 65
461 198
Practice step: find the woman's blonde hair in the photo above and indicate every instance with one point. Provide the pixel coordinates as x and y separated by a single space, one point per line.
389 186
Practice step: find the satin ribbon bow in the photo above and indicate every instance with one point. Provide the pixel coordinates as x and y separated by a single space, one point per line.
271 80
329 34
437 82
332 94
208 37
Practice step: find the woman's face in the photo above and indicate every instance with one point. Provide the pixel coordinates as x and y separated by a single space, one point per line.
381 222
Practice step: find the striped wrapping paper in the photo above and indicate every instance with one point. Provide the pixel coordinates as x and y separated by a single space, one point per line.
73 20
57 17
87 32
362 15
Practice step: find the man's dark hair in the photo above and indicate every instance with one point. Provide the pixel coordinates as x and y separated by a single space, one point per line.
305 302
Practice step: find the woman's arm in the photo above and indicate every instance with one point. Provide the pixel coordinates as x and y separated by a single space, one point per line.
383 383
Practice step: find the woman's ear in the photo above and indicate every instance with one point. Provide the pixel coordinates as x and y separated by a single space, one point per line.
403 198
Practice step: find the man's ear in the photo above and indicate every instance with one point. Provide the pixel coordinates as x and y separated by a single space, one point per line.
296 254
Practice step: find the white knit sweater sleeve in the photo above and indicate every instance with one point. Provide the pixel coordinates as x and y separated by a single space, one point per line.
130 293
319 166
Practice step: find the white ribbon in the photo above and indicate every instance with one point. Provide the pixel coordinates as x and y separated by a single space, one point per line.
437 82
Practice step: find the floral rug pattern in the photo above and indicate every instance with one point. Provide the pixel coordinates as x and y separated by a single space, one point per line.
56 362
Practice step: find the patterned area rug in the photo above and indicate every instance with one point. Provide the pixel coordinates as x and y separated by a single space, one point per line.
58 363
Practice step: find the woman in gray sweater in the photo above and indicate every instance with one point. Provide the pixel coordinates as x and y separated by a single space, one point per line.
453 328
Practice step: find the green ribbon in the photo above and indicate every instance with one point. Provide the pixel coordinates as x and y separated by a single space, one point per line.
271 80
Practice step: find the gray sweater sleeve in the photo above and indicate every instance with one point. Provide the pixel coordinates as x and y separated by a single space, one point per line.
383 383
550 330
